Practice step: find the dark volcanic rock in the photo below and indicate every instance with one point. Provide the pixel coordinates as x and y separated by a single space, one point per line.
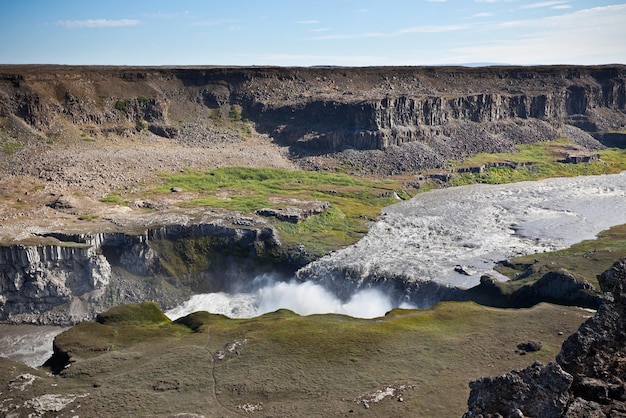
529 346
537 391
596 354
588 380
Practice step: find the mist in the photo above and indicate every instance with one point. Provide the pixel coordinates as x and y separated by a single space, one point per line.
303 298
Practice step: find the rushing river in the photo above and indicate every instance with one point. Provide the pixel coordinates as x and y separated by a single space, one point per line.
428 238
434 235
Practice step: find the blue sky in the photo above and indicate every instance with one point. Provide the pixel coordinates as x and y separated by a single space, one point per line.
319 32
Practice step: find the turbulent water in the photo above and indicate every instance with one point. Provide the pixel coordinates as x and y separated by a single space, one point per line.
437 234
303 298
434 235
428 238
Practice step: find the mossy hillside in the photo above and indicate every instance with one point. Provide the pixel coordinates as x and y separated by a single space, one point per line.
116 329
290 364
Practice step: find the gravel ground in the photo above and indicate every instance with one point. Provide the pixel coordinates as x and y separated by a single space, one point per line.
36 175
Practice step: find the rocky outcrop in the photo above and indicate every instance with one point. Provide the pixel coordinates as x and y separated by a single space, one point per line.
445 112
588 378
81 274
561 287
537 391
36 280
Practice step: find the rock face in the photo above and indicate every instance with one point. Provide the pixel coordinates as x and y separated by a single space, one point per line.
35 280
82 274
537 391
588 379
417 116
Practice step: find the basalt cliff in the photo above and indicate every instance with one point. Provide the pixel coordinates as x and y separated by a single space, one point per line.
73 276
413 117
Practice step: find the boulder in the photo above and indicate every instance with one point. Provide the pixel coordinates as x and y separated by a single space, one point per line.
536 391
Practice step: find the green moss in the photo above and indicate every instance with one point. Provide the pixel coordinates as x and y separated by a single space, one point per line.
134 313
10 147
290 362
114 199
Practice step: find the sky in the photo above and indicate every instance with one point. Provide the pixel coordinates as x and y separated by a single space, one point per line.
318 32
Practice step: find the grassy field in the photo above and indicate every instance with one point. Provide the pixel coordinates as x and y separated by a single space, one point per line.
353 201
133 362
536 161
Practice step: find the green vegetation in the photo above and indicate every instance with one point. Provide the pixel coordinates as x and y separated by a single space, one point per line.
587 259
88 217
119 327
122 104
86 138
232 117
143 99
10 147
536 162
235 113
353 200
141 125
114 199
289 362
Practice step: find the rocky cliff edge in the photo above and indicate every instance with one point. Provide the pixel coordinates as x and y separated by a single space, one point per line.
588 378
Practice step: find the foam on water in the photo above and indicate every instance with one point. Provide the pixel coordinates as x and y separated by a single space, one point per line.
476 226
302 298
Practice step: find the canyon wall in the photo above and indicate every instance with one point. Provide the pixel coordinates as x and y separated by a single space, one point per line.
82 274
448 112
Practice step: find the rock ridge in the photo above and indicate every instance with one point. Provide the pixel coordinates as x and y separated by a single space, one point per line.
442 112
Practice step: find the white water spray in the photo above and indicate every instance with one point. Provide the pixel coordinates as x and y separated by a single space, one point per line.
302 298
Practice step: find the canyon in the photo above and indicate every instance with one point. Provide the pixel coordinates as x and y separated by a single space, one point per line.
86 228
75 135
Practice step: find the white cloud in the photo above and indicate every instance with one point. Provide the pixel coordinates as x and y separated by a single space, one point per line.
562 7
571 38
308 22
433 29
543 4
414 29
483 14
98 23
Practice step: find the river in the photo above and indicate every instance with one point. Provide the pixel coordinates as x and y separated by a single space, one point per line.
427 238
